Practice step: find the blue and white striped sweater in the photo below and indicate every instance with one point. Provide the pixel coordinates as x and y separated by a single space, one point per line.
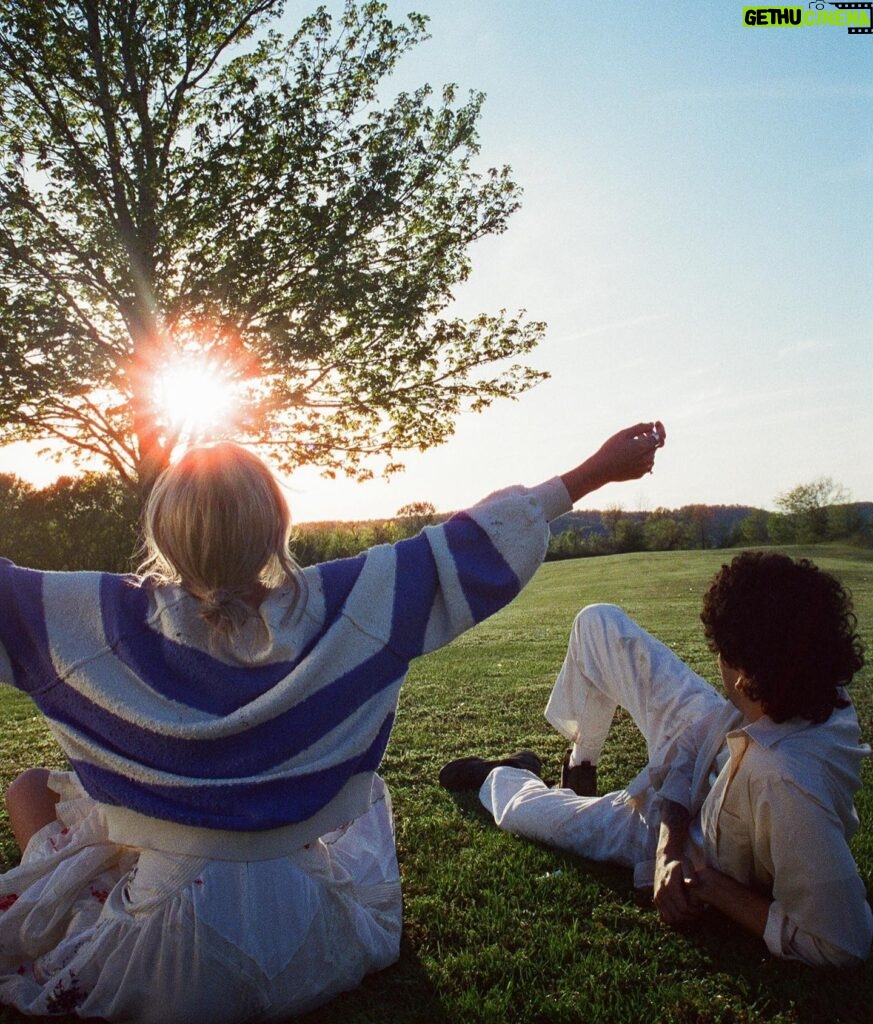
281 731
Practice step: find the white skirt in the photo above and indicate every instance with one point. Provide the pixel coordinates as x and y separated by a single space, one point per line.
101 930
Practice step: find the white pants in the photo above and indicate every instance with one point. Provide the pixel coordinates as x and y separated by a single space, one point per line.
610 662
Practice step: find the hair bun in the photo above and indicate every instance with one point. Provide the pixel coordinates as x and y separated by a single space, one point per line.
225 609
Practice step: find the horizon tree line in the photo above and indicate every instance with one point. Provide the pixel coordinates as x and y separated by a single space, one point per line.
92 522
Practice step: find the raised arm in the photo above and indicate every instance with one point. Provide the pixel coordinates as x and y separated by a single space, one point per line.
453 575
627 455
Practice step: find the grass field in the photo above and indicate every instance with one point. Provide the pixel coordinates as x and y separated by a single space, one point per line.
498 929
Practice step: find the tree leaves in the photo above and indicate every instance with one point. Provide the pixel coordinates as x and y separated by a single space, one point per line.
171 168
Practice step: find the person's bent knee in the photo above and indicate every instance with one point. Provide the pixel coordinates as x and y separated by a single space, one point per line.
31 782
31 804
600 616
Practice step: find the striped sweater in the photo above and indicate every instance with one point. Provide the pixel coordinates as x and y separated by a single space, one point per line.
237 750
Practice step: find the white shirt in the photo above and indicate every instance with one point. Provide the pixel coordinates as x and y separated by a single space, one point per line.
779 818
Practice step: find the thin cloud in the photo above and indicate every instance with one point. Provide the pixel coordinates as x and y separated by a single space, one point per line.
619 325
777 404
802 347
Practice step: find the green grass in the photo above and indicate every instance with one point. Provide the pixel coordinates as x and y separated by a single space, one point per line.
498 929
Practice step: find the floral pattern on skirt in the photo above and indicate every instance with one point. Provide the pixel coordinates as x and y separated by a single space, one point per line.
91 927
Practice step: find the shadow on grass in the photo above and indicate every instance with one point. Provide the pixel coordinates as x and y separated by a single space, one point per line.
743 976
810 995
406 987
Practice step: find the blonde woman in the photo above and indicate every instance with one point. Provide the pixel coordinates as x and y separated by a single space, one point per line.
223 849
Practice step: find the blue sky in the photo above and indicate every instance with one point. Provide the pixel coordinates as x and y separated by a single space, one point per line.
696 232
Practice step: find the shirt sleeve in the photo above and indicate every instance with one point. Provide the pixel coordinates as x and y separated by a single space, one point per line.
819 913
675 777
421 593
674 780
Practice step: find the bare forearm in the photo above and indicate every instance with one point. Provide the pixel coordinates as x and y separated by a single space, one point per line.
585 478
675 821
675 899
736 901
626 455
747 908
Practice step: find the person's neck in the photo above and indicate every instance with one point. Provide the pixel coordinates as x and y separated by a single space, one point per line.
751 709
255 594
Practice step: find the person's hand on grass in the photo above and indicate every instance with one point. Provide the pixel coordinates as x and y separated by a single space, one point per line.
739 902
674 896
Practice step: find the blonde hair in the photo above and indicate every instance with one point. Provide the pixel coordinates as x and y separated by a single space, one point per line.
217 523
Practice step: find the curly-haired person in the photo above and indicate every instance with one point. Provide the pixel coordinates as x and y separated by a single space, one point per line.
746 804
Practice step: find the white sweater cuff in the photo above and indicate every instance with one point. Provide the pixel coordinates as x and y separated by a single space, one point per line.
553 498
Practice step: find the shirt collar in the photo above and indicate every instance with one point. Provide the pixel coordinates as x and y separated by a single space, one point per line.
766 733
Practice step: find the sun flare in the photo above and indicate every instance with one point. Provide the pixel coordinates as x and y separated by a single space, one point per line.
197 397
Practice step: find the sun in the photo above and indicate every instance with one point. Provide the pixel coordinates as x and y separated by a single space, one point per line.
197 396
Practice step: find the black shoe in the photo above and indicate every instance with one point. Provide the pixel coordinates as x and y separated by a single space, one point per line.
471 772
581 778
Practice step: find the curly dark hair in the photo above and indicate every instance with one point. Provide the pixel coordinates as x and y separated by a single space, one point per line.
789 627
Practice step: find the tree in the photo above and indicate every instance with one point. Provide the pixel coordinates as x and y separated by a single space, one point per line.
15 522
86 522
183 184
847 522
610 517
662 532
629 535
806 506
781 529
415 515
700 523
753 529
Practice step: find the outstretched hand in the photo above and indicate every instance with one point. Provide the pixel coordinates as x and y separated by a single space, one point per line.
630 453
626 455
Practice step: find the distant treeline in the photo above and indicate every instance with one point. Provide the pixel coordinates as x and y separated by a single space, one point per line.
83 522
582 533
91 522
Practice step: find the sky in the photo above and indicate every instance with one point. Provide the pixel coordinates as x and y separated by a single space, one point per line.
696 232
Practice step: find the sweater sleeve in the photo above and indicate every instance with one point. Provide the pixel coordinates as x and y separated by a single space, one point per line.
25 661
452 576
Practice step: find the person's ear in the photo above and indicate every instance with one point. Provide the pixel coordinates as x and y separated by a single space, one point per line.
745 685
